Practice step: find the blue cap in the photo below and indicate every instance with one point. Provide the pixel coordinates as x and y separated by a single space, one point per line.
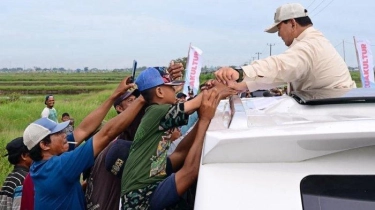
41 128
152 77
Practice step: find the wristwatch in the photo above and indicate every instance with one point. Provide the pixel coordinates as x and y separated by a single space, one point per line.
240 73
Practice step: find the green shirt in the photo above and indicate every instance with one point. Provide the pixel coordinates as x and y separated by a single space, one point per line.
147 160
50 113
53 115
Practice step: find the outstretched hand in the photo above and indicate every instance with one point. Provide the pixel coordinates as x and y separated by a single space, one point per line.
124 85
210 101
226 74
224 90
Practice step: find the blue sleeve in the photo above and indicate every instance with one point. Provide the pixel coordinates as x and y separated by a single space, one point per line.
78 160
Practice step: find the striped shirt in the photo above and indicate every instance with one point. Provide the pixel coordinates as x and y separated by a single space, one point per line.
10 197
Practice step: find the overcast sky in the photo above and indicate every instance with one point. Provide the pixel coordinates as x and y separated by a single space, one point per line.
111 33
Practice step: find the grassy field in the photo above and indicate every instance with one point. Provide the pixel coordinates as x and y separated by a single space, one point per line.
18 109
18 114
22 100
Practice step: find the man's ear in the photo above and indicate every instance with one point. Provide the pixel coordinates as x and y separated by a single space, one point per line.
119 108
159 92
24 156
294 23
44 146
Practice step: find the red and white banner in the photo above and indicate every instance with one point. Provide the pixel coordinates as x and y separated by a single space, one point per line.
193 70
365 62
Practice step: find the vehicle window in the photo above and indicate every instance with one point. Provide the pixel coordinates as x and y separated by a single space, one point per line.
338 192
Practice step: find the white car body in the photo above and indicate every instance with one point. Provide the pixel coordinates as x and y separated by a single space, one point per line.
273 143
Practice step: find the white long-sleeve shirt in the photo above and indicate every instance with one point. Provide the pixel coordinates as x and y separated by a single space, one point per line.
311 62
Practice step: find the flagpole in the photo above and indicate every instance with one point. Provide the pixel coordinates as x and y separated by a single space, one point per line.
185 89
187 58
358 63
356 51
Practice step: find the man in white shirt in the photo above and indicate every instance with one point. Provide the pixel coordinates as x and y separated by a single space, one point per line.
50 112
310 62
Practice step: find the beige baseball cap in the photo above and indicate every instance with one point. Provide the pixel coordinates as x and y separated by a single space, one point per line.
286 12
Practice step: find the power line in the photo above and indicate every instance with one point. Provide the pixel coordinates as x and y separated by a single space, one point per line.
323 8
337 44
316 6
264 49
310 4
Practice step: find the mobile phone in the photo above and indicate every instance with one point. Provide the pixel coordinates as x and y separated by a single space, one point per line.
132 79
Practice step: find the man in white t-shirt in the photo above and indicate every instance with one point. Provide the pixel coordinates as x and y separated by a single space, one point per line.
49 112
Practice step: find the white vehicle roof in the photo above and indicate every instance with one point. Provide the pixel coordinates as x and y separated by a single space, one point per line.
257 150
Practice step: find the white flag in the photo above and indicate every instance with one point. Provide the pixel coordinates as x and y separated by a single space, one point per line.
365 62
193 71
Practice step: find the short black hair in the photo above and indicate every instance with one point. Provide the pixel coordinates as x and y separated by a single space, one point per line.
302 21
149 94
14 159
65 115
46 99
36 151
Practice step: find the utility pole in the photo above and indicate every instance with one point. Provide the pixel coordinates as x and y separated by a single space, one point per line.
253 58
271 48
258 53
343 47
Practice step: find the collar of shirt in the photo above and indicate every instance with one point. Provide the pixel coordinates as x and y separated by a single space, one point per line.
302 35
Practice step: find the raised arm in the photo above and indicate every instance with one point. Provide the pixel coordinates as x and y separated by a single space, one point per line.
116 125
223 90
189 171
92 121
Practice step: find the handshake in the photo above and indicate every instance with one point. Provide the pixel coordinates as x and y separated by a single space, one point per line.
223 90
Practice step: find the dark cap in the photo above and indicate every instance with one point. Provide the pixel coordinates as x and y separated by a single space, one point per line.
116 157
126 95
15 149
180 95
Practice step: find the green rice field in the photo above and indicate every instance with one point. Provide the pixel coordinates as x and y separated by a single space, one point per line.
22 100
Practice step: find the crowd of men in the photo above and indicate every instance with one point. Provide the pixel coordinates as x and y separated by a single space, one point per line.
147 157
